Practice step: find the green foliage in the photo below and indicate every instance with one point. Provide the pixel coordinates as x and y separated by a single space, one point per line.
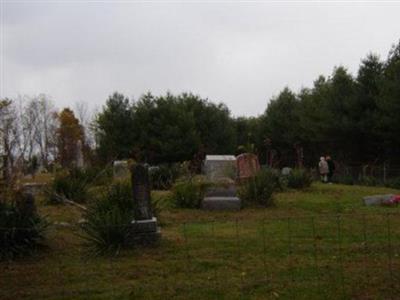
73 184
21 231
299 179
163 129
107 220
115 129
394 183
189 193
260 188
70 184
163 176
344 179
369 181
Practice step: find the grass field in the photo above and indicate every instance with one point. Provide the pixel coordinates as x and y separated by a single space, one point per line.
321 243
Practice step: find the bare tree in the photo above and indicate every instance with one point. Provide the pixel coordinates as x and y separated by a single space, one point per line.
85 117
41 112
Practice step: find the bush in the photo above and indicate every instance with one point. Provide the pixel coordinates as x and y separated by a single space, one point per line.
108 219
69 184
189 193
162 177
394 183
21 228
260 188
73 184
299 179
344 179
369 181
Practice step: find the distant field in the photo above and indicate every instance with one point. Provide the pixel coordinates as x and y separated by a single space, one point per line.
321 243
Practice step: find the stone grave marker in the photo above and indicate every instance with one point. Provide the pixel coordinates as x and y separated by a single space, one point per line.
247 166
79 155
120 169
377 199
144 229
286 171
221 171
220 166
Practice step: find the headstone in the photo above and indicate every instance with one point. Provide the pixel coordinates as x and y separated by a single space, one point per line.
377 199
144 229
220 166
121 169
247 165
79 155
33 187
221 171
286 171
25 203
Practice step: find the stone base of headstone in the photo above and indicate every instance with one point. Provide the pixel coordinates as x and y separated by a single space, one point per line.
377 199
33 187
221 197
144 232
221 203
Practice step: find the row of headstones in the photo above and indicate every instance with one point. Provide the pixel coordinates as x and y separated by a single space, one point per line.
224 171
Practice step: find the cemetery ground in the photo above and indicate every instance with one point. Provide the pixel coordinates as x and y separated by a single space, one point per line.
320 243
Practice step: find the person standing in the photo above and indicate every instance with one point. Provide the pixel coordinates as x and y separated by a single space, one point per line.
331 168
323 169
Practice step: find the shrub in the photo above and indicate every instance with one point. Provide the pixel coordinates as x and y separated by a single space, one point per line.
160 200
189 193
162 177
394 183
69 184
73 184
108 219
299 179
21 228
344 179
260 188
369 181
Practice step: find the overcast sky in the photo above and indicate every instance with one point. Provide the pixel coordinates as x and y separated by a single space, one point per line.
239 53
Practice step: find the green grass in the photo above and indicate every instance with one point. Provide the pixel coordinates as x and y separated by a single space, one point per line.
321 243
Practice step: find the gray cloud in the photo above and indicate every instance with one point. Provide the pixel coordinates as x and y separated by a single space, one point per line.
238 53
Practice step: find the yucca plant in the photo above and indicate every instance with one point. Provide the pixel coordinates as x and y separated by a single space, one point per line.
107 220
21 228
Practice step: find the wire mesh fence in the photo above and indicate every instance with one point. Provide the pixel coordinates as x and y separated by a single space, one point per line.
340 256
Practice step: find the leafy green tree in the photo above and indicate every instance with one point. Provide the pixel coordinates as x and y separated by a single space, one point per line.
213 123
369 87
390 100
114 126
166 131
280 123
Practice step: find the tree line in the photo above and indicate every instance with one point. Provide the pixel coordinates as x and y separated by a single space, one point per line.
354 118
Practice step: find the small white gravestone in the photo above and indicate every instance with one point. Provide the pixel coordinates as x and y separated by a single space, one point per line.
79 155
121 169
220 166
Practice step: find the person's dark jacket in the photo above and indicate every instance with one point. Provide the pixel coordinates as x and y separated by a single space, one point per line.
331 166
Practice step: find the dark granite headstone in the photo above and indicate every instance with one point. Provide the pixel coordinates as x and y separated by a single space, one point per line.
141 192
144 229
